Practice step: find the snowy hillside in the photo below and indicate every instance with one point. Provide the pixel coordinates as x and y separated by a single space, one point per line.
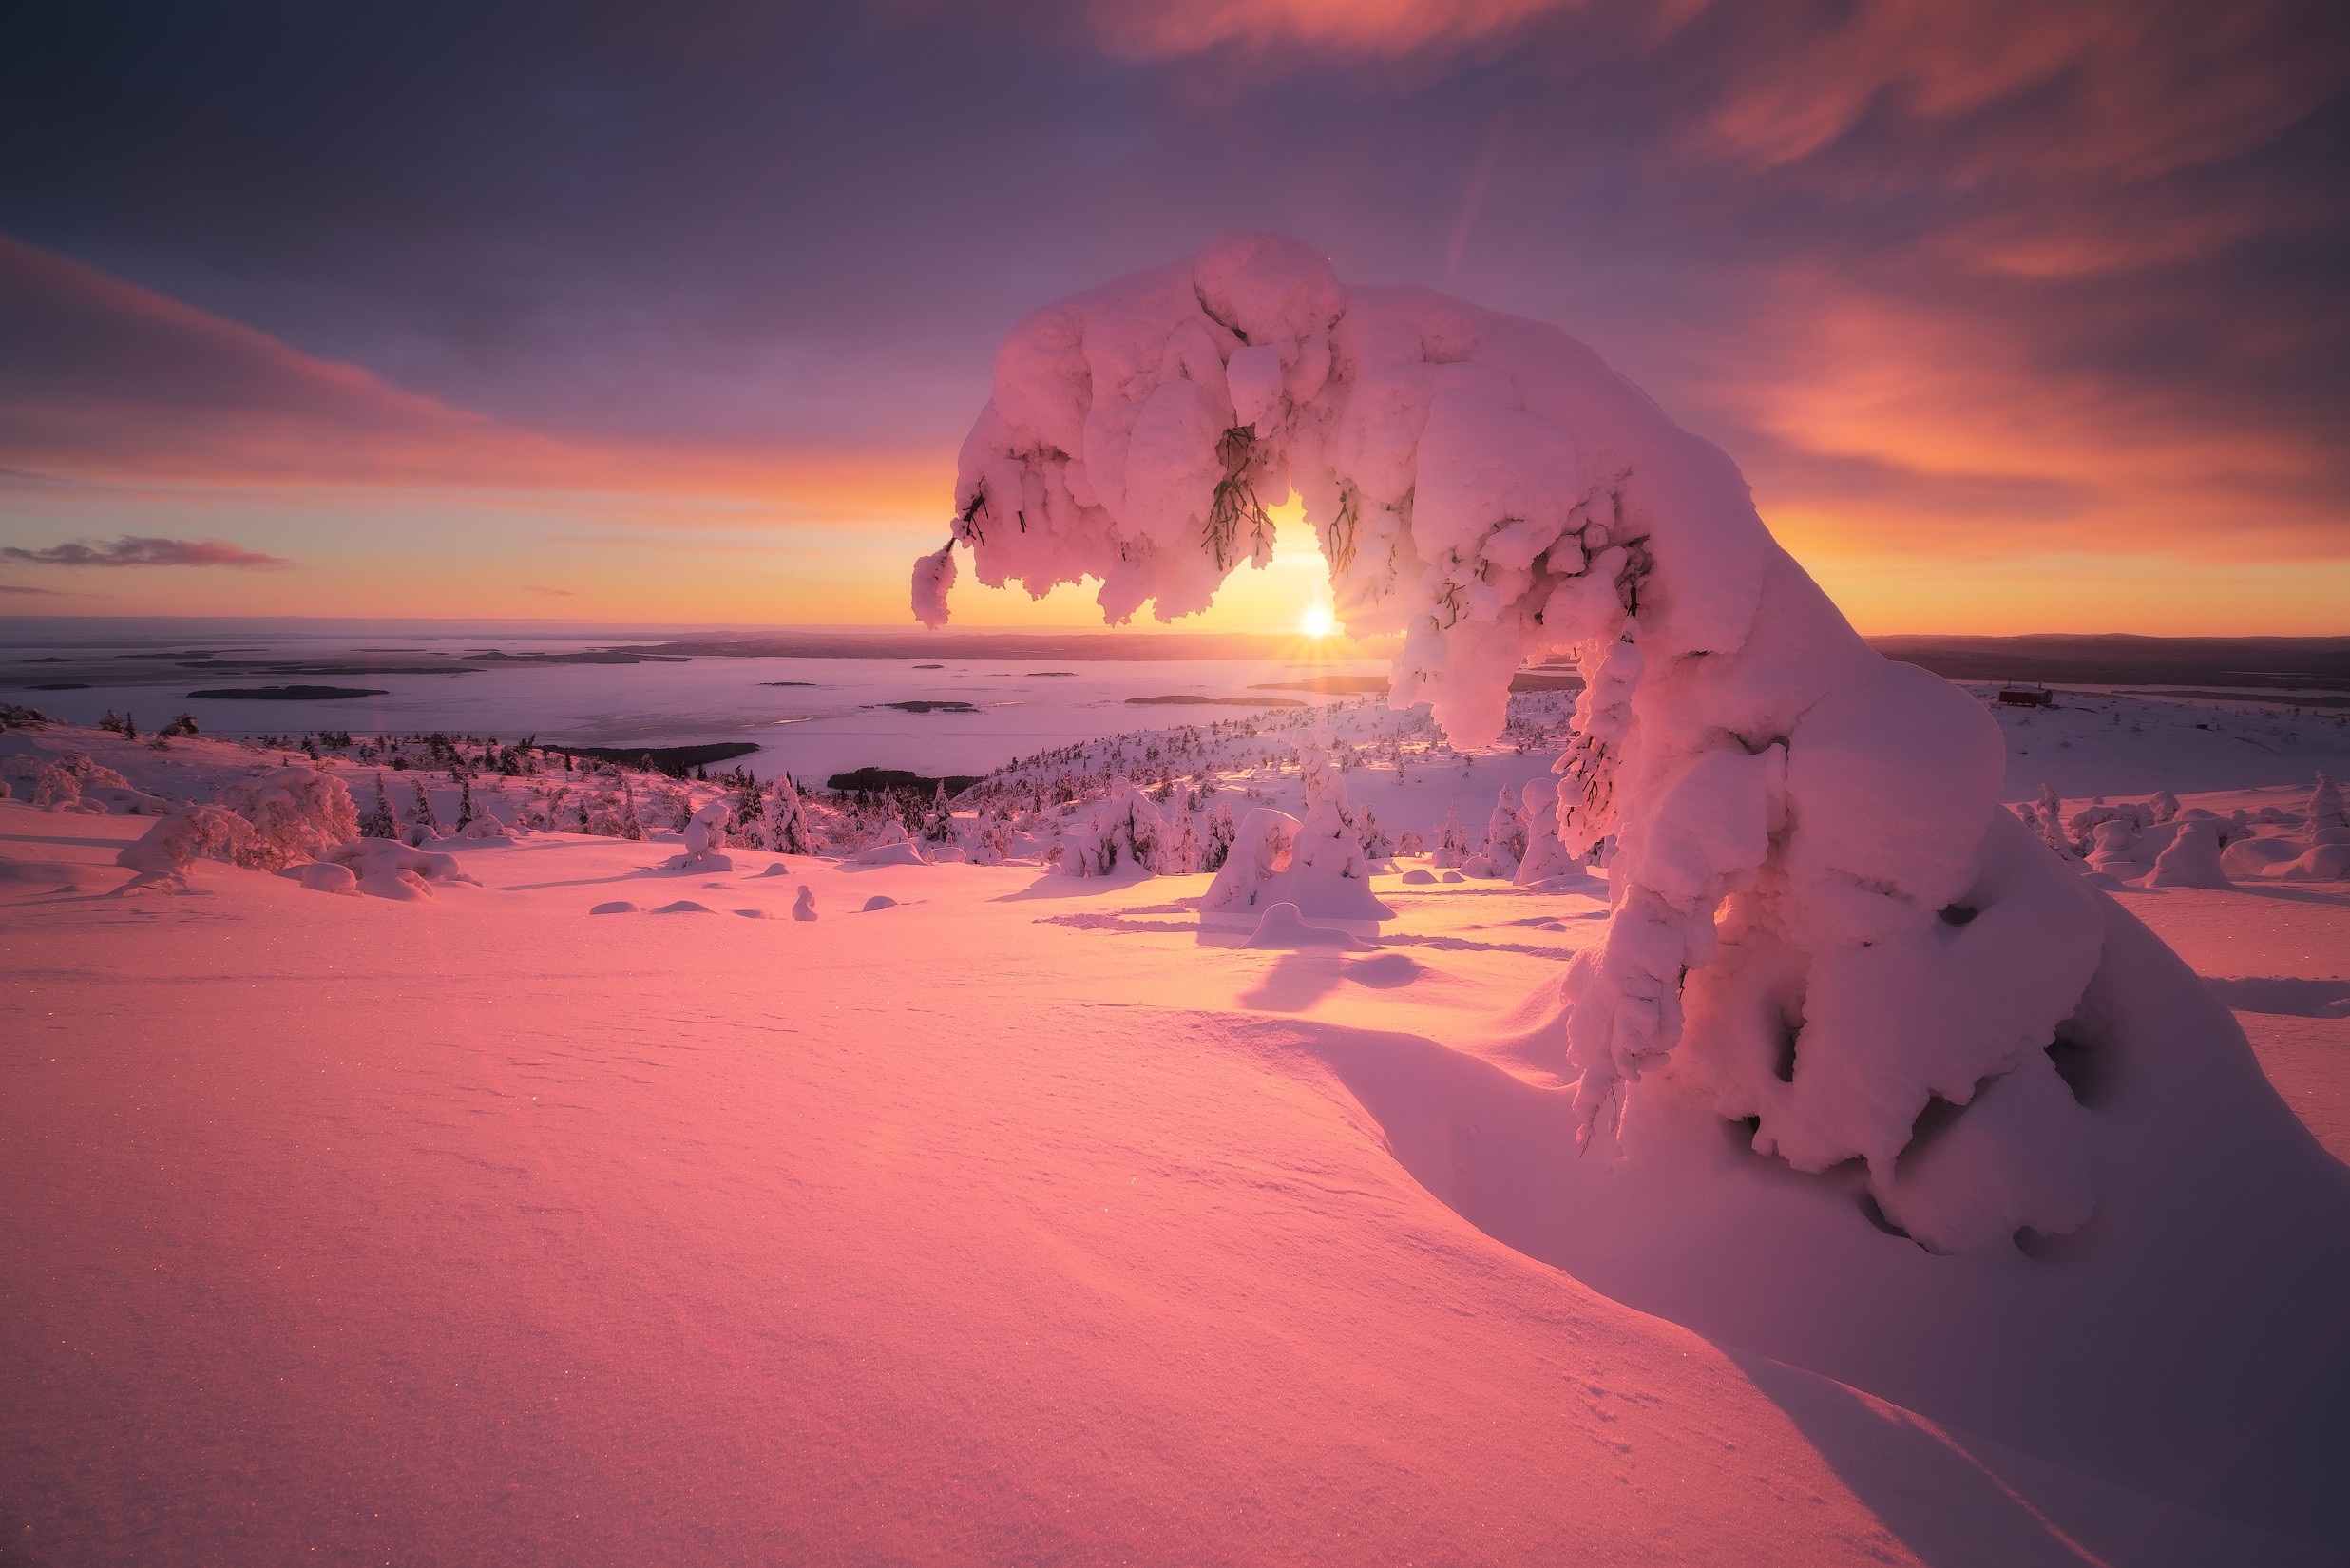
498 1253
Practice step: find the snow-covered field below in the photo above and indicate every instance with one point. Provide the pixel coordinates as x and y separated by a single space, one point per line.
1028 1217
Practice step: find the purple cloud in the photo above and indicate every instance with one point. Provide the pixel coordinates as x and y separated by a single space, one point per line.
132 550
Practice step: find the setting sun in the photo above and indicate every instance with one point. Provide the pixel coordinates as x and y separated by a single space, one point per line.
1318 622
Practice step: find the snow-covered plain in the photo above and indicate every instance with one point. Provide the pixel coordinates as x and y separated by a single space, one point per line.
1029 1219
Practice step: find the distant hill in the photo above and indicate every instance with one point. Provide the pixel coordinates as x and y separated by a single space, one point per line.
2118 659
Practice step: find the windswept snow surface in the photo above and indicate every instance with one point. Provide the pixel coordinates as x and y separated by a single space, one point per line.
481 1230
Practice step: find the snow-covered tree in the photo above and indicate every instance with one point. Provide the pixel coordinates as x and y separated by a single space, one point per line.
1545 857
2324 809
1505 837
1127 831
631 826
297 814
1316 864
705 837
421 824
937 824
1409 842
379 822
464 804
2052 824
1452 838
1803 830
787 819
163 856
1217 843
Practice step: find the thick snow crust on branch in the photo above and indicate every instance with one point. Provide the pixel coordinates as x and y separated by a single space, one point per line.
1817 905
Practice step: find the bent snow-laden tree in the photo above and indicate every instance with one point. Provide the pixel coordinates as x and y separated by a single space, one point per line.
1817 902
1827 946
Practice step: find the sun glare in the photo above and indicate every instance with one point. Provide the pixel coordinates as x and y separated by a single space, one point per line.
1318 622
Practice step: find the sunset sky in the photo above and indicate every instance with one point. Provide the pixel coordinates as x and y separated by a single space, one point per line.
2018 316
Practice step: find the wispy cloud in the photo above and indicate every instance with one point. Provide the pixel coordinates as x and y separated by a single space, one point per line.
46 593
132 550
552 593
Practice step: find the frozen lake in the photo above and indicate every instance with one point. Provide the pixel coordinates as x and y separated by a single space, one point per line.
814 717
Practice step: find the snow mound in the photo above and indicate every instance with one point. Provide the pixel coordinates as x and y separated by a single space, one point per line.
616 906
2190 860
1419 874
320 877
1317 865
880 901
1281 926
684 906
388 868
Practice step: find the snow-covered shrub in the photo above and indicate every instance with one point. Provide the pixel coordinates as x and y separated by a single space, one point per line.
1809 860
297 813
1317 865
162 856
1452 838
58 787
2325 808
1408 842
1129 832
421 824
2193 860
379 822
889 846
1257 862
1504 844
705 834
1216 846
1545 856
786 819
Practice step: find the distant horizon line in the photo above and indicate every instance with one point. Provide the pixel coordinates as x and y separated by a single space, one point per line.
944 635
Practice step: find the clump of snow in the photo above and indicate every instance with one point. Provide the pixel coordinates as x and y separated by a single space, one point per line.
803 908
1546 858
320 877
2193 860
1282 926
1317 865
705 835
388 868
890 848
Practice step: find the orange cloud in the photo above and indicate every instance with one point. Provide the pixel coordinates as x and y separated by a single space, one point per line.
1380 29
2150 88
